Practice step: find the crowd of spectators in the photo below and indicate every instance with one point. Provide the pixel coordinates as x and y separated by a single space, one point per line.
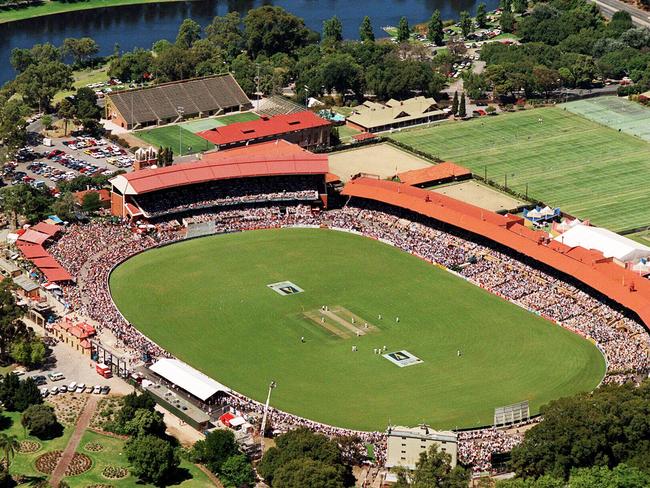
91 251
224 193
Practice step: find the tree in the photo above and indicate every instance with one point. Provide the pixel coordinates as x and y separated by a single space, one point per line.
188 33
454 104
224 32
237 471
519 6
507 21
621 21
303 472
28 351
546 79
32 203
435 31
481 15
301 445
269 30
40 82
91 202
11 327
462 110
85 102
146 422
133 66
217 447
8 388
41 422
339 72
434 469
466 23
332 30
130 405
21 59
64 206
366 34
9 445
27 395
13 127
152 459
81 50
46 120
403 30
66 111
605 428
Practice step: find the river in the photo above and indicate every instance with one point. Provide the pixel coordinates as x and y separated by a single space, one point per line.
141 25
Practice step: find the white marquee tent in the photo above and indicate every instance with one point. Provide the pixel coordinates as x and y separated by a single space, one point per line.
189 379
603 240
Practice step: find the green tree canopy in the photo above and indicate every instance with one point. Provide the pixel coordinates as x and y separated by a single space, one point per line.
435 32
41 422
152 459
217 447
481 15
332 30
366 34
403 30
188 33
269 30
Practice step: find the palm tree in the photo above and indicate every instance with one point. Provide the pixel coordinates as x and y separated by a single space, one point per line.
9 445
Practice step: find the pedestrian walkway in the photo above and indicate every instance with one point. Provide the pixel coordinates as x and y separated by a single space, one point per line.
82 424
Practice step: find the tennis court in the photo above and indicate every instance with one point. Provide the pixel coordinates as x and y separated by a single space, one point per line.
615 112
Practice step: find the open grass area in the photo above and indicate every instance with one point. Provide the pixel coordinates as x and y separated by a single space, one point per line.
50 7
207 301
589 170
83 78
234 118
346 133
112 454
175 137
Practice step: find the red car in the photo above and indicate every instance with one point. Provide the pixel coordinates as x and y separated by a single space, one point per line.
56 152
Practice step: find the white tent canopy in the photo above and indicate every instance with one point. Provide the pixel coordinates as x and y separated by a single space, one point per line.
605 241
189 379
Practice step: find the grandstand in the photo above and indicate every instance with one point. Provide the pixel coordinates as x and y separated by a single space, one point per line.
274 172
159 104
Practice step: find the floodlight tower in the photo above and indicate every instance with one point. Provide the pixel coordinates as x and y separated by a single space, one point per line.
180 111
272 385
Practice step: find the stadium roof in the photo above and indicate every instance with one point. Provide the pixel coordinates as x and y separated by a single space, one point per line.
434 172
588 266
274 158
607 242
371 115
197 95
189 379
34 237
46 228
263 128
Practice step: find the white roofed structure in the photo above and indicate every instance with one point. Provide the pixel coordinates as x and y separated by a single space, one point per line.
609 243
187 378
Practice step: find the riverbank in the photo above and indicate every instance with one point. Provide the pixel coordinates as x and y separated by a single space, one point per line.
50 7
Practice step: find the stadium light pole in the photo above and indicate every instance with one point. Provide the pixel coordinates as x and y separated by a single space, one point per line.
180 111
272 385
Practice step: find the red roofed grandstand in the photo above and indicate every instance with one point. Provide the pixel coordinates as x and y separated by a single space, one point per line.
271 172
30 244
303 128
434 175
587 266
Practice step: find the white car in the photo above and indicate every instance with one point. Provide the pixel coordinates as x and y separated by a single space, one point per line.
97 390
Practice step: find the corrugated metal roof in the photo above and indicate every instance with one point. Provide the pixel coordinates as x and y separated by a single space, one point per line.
189 379
434 172
264 127
588 266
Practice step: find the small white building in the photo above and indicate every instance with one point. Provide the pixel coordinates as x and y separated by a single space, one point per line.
611 244
406 443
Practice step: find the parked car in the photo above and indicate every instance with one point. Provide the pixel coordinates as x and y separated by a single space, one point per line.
44 392
97 390
54 390
39 380
56 376
105 390
81 387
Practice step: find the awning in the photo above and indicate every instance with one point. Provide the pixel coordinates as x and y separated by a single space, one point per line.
189 379
237 421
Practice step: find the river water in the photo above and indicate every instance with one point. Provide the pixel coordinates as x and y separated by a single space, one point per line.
142 25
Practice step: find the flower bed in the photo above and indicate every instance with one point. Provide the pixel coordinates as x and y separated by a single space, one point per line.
94 447
115 472
80 464
46 463
29 446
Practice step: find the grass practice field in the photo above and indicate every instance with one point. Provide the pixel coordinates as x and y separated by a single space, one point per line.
175 137
588 170
208 302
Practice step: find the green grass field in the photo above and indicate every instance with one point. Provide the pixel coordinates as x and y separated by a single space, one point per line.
49 7
207 301
590 171
174 136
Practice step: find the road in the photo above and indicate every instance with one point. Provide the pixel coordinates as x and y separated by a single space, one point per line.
609 7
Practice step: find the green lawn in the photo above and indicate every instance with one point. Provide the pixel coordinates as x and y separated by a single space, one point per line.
589 170
207 301
83 78
173 136
50 7
113 455
234 118
24 463
346 133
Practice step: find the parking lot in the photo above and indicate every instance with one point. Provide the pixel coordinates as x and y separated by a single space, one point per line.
66 158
